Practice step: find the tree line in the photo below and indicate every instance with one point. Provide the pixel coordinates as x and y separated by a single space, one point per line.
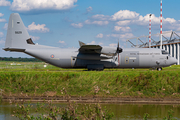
19 59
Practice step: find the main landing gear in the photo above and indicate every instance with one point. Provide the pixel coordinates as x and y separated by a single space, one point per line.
159 69
95 69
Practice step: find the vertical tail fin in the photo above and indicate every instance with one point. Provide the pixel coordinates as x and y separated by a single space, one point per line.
17 35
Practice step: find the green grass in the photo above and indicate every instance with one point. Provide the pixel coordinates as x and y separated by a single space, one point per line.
53 81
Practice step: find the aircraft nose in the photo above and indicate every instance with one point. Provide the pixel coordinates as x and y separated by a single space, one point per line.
173 61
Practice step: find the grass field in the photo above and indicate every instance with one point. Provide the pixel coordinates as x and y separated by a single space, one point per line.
32 79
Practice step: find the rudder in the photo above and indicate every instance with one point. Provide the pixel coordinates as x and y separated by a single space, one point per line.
17 36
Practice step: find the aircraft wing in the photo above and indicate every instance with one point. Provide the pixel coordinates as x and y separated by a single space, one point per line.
97 49
90 49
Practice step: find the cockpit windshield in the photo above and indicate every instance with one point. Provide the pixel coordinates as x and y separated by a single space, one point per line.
164 52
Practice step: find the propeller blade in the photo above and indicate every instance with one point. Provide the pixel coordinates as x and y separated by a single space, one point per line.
117 47
118 51
118 60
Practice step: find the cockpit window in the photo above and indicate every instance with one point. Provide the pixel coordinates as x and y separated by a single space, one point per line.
165 52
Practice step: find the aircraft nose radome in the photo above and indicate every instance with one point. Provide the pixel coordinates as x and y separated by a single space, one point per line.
174 61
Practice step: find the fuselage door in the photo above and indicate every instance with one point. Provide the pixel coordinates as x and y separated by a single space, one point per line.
153 60
165 61
126 60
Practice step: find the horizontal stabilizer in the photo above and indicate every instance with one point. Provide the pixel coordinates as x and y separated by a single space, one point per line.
14 49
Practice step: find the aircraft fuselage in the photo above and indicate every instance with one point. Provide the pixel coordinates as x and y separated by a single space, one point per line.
129 58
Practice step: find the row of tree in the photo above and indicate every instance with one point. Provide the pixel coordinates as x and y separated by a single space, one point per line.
19 59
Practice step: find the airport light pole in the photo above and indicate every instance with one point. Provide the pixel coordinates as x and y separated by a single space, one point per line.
161 27
150 30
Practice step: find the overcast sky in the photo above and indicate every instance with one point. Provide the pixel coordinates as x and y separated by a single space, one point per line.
62 23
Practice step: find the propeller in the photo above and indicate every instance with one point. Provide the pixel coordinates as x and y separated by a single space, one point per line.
119 50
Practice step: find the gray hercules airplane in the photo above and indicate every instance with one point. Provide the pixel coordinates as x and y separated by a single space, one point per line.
92 57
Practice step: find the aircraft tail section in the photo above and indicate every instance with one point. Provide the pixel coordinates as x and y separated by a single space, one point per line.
17 38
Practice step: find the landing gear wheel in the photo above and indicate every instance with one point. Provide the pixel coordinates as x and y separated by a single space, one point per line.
90 69
159 69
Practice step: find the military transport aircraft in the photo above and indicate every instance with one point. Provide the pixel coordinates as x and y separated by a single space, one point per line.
92 57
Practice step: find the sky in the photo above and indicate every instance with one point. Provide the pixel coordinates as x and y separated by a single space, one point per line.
62 23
